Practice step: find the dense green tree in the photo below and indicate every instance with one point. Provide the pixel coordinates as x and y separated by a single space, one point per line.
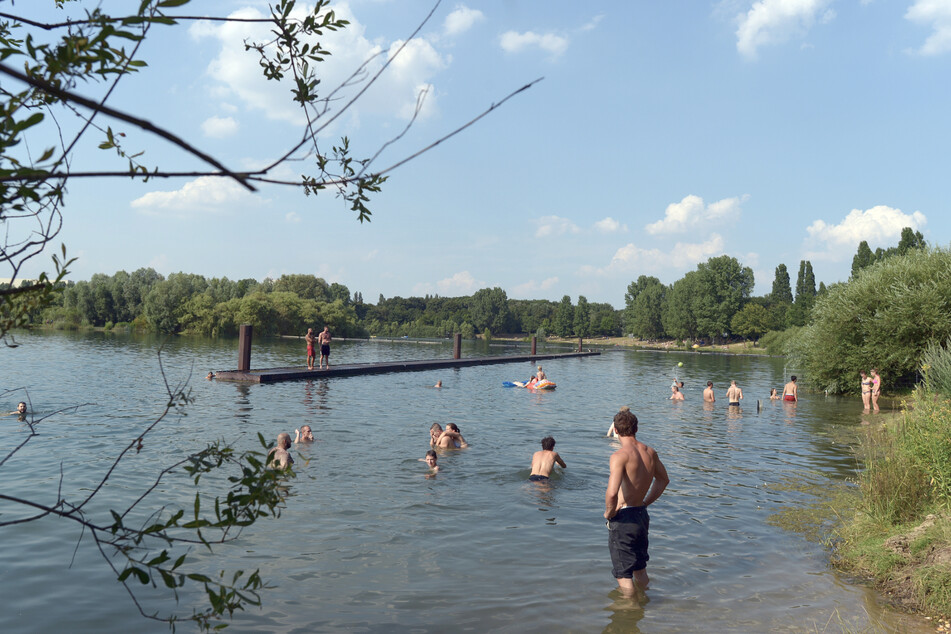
884 318
863 258
678 318
563 322
304 286
488 308
910 240
782 291
724 287
582 321
751 322
801 309
341 292
645 315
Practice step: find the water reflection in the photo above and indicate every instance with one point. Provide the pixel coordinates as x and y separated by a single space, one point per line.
626 612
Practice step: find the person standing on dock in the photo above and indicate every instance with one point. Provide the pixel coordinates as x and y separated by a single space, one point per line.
311 354
637 479
324 339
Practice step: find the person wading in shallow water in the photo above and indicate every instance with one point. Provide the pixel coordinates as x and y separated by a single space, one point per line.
790 391
637 479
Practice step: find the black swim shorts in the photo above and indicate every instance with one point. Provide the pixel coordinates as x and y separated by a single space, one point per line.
324 350
627 541
538 478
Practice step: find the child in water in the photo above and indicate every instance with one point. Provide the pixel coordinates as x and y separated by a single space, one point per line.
431 459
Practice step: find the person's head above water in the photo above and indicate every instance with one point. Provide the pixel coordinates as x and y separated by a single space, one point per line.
283 440
21 407
548 443
625 423
452 427
430 458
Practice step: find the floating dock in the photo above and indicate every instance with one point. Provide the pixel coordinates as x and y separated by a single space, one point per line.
275 375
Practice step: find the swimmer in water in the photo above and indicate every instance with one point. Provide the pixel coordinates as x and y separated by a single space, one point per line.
438 383
708 393
21 410
451 438
773 394
675 393
210 376
734 394
304 434
544 461
430 459
278 457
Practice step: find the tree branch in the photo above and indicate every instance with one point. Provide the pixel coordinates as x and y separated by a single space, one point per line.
139 123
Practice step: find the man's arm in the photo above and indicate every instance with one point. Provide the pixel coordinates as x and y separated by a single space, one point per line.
614 485
560 461
660 482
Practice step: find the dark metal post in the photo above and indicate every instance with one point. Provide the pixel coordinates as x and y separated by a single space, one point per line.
244 347
534 344
579 344
457 346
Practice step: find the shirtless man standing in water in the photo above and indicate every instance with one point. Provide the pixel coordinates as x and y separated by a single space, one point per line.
637 479
790 392
734 395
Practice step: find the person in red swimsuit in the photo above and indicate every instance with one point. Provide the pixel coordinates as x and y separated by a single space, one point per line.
311 356
789 392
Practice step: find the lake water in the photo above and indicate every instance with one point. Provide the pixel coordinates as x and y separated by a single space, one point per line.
367 543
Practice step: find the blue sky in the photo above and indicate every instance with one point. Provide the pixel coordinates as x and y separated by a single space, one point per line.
663 134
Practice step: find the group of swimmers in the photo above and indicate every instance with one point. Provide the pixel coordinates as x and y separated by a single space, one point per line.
279 456
734 394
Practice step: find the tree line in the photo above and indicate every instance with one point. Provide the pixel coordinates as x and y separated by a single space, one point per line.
712 303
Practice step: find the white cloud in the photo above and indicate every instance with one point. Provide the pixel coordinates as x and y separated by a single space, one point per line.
609 225
632 258
690 212
461 283
879 225
937 14
775 21
292 217
159 262
461 20
531 287
206 193
593 23
513 42
219 127
393 94
554 226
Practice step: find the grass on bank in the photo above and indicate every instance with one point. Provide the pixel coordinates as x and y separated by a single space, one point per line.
901 535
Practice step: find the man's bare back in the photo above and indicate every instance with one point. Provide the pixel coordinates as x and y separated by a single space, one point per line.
544 461
637 479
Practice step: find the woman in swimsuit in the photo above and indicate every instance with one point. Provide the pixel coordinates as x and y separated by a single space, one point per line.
876 388
866 389
773 395
451 438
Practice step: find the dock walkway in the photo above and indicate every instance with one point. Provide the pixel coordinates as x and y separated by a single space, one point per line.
275 375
